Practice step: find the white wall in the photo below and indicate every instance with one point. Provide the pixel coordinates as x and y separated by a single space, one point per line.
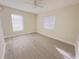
29 21
66 24
2 43
77 48
77 41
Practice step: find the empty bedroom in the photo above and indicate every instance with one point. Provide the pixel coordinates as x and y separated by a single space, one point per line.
39 29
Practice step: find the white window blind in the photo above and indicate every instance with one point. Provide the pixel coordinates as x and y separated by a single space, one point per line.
49 22
17 23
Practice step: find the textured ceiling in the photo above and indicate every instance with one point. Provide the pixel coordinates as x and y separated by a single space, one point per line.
26 5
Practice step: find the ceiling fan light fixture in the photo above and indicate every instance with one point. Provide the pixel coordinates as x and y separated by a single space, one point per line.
37 3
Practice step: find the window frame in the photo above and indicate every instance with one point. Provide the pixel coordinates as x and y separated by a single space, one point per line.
22 23
51 22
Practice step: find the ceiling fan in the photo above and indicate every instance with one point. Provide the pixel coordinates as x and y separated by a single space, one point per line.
37 3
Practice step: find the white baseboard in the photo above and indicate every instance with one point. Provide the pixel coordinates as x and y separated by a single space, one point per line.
18 35
4 50
59 39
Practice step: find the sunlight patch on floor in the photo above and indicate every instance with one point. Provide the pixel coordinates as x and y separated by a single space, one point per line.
64 53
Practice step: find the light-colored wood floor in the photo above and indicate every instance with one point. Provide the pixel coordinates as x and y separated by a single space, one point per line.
36 46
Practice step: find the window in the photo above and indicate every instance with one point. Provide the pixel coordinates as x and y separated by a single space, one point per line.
49 22
17 23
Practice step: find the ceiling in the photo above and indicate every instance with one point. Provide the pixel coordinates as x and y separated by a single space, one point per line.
26 5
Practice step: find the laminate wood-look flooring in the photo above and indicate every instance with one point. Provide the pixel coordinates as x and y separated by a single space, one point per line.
36 46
